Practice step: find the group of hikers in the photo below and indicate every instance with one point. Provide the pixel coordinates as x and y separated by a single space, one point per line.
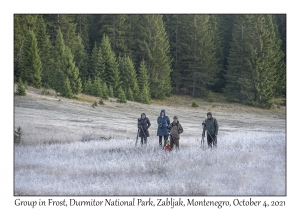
174 129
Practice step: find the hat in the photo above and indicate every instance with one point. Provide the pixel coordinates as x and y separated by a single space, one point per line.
209 113
175 117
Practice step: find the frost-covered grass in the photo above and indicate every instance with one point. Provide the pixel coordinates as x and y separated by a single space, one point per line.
243 164
69 148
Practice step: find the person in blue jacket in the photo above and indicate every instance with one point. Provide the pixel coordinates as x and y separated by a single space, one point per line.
163 122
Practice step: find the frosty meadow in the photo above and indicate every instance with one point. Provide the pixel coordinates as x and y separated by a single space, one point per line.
70 148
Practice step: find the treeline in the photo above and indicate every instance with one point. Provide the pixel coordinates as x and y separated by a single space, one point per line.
139 57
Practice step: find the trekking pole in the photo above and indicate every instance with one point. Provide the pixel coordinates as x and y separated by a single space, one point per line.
143 132
137 137
202 141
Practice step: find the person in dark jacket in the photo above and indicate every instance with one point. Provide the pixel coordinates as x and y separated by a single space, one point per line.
175 131
143 125
212 128
163 122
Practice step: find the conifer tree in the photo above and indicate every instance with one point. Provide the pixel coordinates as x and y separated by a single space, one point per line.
67 91
128 77
72 72
23 23
174 28
30 65
155 49
97 89
82 29
20 88
121 96
111 91
269 58
111 72
115 26
66 23
144 95
97 66
105 93
45 49
129 95
88 86
254 60
237 60
81 58
64 66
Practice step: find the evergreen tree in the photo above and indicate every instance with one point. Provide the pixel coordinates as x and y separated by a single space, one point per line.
143 83
81 58
121 96
129 94
72 72
155 49
173 29
30 65
64 66
20 88
269 59
128 77
97 66
105 92
88 86
226 27
199 58
254 60
237 60
111 72
67 91
22 25
115 27
66 23
82 29
45 49
215 25
97 89
111 91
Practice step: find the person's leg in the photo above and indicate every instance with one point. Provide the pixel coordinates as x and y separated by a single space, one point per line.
215 141
171 143
160 140
209 141
145 140
142 138
165 140
177 143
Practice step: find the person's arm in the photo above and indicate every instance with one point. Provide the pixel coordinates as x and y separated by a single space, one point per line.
148 123
180 130
204 127
216 127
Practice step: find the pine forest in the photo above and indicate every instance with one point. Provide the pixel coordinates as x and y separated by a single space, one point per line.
139 57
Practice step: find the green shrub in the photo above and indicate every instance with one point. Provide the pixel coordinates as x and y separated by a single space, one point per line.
20 88
101 101
18 135
94 104
194 104
45 92
210 96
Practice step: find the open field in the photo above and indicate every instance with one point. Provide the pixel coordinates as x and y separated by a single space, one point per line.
70 148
